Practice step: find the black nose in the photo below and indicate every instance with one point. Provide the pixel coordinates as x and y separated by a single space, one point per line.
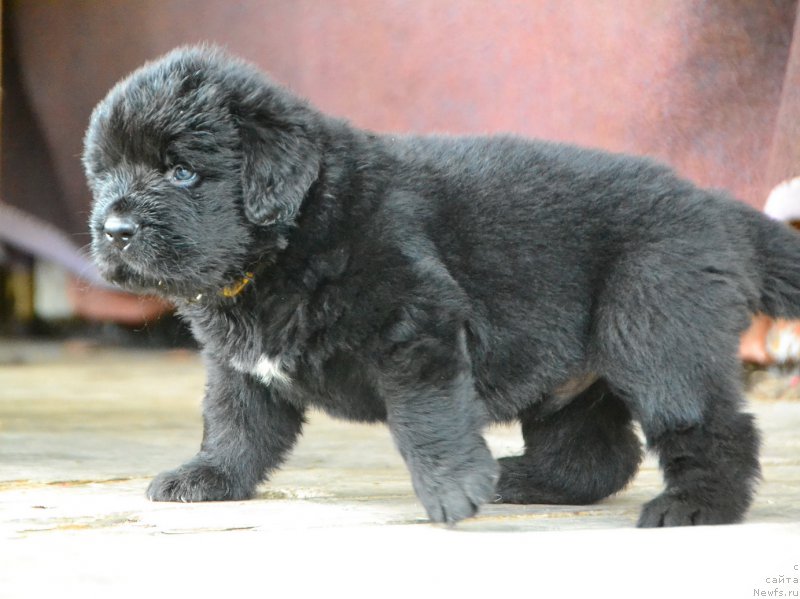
119 230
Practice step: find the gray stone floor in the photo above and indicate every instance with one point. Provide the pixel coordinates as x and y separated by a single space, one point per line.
83 428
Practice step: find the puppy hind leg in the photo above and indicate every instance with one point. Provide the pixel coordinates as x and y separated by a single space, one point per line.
675 367
710 469
583 453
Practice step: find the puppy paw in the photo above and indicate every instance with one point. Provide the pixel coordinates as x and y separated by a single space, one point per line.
669 509
516 483
450 494
194 482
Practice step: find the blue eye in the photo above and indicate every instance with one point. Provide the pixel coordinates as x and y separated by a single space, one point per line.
182 175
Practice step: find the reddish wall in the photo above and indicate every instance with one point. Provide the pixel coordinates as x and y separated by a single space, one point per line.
697 84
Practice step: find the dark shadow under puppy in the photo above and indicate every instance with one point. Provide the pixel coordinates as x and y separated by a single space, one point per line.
436 284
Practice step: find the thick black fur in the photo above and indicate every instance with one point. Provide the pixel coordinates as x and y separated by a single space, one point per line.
437 284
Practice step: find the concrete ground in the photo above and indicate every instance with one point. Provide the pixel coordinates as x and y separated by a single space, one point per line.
83 429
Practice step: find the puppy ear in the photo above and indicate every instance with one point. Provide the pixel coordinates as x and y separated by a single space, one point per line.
279 164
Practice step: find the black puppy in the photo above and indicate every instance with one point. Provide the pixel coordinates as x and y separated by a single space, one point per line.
437 284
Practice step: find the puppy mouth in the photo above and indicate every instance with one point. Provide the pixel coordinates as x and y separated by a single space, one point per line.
173 289
130 268
140 270
140 283
117 271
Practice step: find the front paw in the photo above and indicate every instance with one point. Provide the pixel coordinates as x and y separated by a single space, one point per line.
195 482
451 493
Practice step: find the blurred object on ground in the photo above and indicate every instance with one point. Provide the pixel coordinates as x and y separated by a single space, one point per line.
774 383
101 303
783 202
771 341
38 238
753 345
783 341
56 267
776 341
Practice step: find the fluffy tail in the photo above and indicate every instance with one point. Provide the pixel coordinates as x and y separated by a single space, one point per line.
775 262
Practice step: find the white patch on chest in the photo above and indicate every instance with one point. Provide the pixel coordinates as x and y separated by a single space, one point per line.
268 370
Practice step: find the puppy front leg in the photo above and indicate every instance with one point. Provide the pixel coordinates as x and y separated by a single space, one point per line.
247 433
436 420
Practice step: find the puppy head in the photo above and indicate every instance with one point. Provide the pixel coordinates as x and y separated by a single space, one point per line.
198 165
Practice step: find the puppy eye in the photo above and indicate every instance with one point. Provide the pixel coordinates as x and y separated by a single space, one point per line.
182 175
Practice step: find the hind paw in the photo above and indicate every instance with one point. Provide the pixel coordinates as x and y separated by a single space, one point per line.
670 509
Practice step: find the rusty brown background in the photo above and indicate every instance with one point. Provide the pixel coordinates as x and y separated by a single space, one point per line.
710 86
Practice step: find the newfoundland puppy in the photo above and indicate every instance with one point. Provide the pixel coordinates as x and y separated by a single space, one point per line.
436 284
